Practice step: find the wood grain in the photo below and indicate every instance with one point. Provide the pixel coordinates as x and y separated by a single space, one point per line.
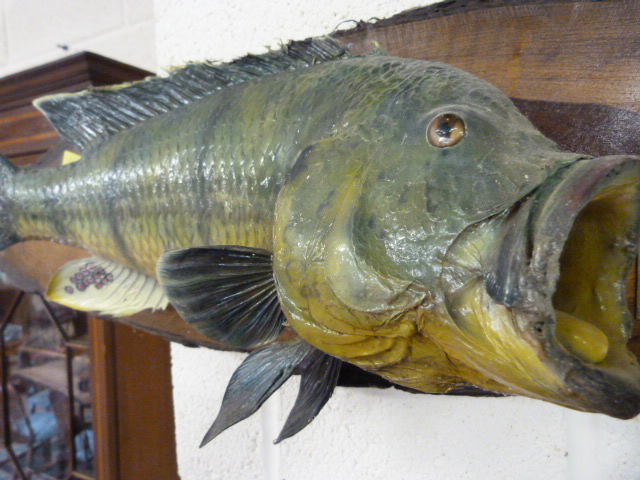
104 391
146 429
581 52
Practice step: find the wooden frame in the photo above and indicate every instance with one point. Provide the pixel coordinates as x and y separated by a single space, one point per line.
550 50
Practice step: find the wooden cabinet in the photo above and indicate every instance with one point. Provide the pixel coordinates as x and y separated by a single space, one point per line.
132 404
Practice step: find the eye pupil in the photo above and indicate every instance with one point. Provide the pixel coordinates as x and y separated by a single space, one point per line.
446 130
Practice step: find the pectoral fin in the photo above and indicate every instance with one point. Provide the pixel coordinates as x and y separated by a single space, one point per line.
226 292
96 285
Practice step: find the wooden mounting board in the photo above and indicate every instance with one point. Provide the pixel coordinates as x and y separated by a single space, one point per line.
561 51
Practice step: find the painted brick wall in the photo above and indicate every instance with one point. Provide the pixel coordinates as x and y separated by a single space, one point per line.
33 32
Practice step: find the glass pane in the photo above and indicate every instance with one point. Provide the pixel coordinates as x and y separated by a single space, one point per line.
83 414
36 358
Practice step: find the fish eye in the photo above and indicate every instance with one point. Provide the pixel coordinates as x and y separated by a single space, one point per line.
446 130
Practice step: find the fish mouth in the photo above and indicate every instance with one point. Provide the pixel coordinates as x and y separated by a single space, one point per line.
558 321
574 258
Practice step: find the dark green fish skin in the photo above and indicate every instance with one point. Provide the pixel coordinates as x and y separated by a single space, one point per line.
190 177
210 173
330 167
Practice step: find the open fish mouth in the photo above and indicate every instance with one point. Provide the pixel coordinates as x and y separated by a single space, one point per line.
557 281
585 240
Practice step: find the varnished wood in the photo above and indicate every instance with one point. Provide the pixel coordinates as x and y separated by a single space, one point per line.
131 375
25 130
105 399
134 421
74 73
562 51
142 396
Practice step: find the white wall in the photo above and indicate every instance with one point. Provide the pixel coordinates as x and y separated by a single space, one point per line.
363 433
33 32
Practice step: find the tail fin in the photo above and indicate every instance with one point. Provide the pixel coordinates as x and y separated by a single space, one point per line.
8 234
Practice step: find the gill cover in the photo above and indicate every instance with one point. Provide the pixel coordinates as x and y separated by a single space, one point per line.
334 298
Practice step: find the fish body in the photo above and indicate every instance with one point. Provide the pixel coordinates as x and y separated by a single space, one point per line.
194 163
400 215
141 192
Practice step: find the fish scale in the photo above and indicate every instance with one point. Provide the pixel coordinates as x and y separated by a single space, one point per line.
157 210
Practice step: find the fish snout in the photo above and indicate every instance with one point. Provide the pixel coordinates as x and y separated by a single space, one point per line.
554 275
581 247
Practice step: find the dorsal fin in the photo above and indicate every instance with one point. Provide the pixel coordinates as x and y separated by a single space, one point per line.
90 116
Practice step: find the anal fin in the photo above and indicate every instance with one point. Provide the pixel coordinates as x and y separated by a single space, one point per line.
318 378
96 285
261 374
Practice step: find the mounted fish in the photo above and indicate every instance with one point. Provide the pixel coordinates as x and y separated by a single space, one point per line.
399 215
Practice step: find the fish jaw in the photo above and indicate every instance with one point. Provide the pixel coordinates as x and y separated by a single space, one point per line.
536 295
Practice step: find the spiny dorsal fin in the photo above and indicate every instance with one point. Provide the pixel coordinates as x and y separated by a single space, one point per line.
226 292
97 285
93 115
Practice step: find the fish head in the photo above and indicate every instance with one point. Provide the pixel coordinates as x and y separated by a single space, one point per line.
446 242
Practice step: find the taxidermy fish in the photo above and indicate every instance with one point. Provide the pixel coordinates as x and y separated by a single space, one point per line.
399 215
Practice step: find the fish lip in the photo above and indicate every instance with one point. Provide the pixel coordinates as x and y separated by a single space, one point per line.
528 272
554 219
603 393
